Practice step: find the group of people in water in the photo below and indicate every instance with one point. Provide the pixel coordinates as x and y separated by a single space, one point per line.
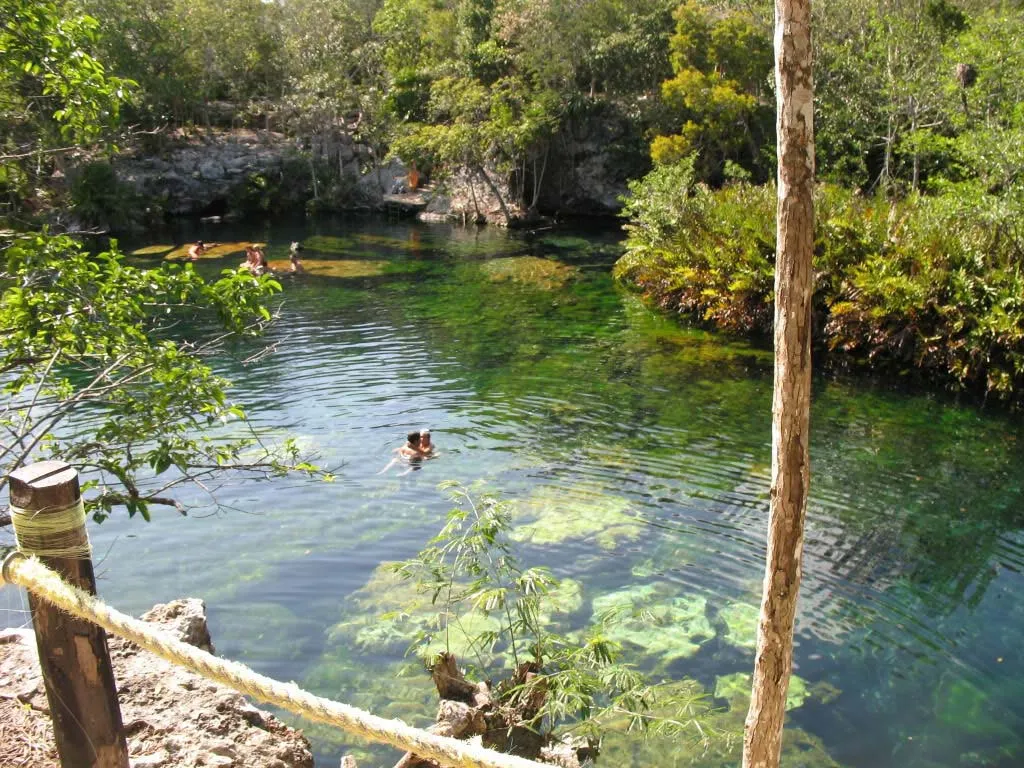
418 446
255 257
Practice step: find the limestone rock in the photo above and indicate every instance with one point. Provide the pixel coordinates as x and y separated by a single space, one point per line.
203 169
172 717
186 618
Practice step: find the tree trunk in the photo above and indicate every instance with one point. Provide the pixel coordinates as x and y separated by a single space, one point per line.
762 744
497 194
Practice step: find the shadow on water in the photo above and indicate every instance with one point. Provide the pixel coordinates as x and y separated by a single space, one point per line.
637 453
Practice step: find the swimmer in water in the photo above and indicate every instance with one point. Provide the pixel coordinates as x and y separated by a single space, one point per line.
199 250
410 453
426 447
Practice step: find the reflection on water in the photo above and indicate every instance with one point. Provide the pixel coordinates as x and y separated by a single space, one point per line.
638 455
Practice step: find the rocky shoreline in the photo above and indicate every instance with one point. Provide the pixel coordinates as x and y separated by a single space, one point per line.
173 718
210 173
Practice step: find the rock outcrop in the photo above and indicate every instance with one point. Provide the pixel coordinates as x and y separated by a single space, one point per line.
199 174
210 173
173 718
592 164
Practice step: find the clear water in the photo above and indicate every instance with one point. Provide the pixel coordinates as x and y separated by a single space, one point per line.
565 389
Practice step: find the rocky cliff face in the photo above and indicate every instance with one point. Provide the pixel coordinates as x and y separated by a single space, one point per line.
589 167
211 173
592 162
200 174
216 172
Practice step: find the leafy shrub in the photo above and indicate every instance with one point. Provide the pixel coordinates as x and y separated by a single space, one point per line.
931 284
100 199
502 612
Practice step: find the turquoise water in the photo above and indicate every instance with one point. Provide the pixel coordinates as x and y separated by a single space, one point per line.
645 447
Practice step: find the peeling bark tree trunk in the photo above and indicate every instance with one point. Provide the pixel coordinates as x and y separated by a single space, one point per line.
497 194
762 744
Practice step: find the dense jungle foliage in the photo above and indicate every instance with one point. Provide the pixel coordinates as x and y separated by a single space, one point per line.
918 243
918 117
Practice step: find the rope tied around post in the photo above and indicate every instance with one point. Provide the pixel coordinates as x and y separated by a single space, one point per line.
31 574
52 532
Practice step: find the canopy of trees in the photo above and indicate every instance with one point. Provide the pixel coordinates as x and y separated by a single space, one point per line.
911 96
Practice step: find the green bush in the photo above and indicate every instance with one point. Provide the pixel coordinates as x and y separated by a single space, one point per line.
100 199
931 284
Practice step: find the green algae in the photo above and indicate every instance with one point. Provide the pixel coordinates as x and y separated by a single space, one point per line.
566 598
391 614
555 515
962 706
394 690
379 242
669 554
567 243
152 250
735 689
388 614
272 632
649 619
707 737
329 244
536 272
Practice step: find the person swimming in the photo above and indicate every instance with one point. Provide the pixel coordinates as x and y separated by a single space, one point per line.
425 446
417 447
411 447
256 260
199 249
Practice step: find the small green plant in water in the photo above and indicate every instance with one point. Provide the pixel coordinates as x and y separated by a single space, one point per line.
550 684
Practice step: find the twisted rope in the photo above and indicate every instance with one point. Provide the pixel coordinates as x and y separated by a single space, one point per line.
28 572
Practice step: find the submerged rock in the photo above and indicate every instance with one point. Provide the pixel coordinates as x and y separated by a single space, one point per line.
553 515
735 689
741 624
658 624
173 718
529 270
343 268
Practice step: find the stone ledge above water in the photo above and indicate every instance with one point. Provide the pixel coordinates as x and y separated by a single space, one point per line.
173 718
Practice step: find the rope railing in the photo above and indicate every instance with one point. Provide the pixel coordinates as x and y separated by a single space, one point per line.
30 573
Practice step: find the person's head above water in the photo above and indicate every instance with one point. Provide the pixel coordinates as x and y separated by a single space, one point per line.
413 438
425 436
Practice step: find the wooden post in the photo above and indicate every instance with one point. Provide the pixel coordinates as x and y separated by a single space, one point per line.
73 653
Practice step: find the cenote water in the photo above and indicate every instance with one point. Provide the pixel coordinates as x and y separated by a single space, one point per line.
637 454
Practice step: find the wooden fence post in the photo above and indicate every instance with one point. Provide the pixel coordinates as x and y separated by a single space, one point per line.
73 653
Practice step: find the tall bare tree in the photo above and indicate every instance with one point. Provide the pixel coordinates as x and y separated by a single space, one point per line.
762 744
